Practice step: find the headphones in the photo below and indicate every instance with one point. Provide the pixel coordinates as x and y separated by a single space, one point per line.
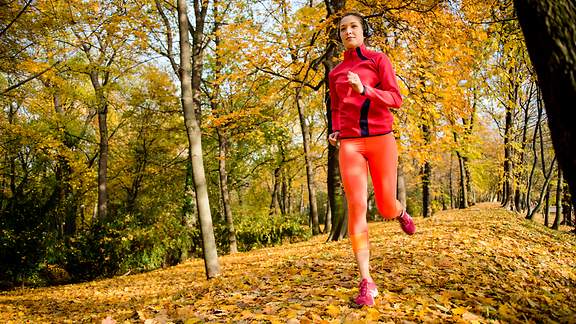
366 29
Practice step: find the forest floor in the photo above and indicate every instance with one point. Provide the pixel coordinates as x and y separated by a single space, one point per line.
478 265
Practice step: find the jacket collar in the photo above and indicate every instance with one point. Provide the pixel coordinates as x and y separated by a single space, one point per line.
358 52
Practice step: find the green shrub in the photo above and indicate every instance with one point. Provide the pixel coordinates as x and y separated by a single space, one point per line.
260 229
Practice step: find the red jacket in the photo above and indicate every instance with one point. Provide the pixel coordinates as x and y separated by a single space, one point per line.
367 114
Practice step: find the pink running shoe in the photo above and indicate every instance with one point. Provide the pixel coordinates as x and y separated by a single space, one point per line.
368 292
407 223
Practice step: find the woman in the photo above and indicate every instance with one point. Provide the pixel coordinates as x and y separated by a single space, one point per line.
363 88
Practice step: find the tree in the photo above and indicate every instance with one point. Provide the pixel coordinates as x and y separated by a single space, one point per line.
335 193
190 90
549 30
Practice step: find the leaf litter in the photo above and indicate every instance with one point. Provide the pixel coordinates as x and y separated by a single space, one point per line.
477 265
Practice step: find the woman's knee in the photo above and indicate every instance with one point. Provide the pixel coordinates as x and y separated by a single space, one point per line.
388 209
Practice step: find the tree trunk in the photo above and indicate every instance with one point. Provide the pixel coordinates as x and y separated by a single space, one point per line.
102 108
463 198
519 196
274 204
301 205
468 130
537 128
547 207
471 196
282 193
194 138
452 203
426 175
223 148
222 136
309 167
426 192
558 200
566 205
327 219
401 184
335 192
544 189
190 215
507 190
548 27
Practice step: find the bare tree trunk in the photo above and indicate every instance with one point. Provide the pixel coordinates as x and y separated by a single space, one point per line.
327 219
548 27
190 214
301 205
282 193
537 128
335 192
274 204
222 136
547 207
463 198
223 148
558 200
401 184
452 203
468 130
102 109
507 190
426 177
544 188
426 192
309 167
195 136
566 205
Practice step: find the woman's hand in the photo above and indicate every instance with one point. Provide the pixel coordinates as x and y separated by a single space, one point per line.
355 82
333 138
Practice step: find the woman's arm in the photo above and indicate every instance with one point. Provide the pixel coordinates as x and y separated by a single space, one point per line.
389 94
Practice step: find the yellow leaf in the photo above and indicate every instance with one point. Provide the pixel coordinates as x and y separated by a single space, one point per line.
373 314
459 311
333 311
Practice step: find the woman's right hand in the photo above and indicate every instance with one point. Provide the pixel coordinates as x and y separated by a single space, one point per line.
333 138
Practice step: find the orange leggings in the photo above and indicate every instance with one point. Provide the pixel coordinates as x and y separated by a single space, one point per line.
379 154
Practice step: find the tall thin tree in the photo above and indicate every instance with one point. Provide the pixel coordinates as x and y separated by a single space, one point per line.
195 134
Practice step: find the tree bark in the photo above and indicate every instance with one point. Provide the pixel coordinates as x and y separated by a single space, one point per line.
335 191
327 219
544 189
452 203
537 128
547 207
223 153
426 176
548 27
507 190
426 192
194 133
566 205
222 136
189 210
558 200
102 109
274 203
309 167
463 198
401 184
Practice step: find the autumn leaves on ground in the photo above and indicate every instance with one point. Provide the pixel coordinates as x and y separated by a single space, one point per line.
476 265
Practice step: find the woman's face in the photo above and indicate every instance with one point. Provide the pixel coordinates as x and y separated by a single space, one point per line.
351 32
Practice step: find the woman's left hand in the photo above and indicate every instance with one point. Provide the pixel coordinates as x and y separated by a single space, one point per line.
355 82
